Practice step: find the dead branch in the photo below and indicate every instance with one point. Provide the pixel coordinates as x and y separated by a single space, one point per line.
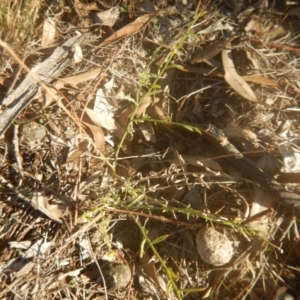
38 76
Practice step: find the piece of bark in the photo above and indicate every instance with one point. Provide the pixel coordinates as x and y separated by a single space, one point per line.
27 90
217 137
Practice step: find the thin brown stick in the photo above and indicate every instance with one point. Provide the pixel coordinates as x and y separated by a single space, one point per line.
277 46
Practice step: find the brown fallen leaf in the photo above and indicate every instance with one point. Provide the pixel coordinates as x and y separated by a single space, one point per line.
211 51
150 269
125 116
129 29
109 123
82 77
103 120
260 80
54 211
127 112
98 135
234 79
123 169
77 152
217 73
143 106
49 30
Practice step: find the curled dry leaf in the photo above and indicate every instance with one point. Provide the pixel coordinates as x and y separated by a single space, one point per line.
49 30
109 17
234 79
54 211
129 29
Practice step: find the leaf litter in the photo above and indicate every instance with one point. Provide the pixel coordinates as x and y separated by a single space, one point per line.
160 120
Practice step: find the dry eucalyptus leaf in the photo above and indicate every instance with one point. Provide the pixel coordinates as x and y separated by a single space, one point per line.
98 135
81 77
130 29
260 80
49 30
234 79
20 264
214 247
149 268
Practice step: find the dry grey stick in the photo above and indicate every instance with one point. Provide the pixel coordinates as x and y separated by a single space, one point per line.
27 90
217 137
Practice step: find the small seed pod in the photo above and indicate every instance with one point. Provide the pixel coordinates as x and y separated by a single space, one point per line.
214 247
